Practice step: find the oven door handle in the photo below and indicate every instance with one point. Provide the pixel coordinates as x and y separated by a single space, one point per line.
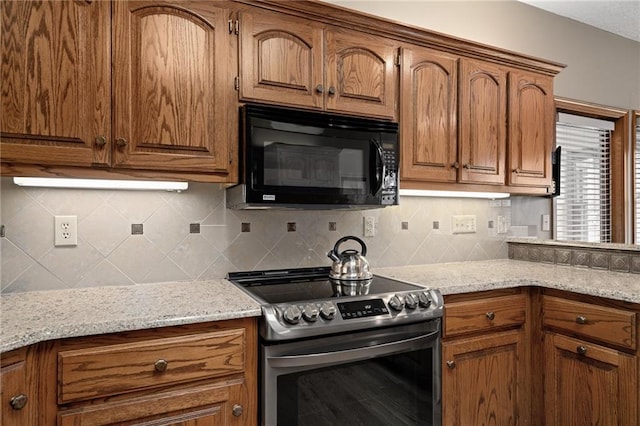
349 355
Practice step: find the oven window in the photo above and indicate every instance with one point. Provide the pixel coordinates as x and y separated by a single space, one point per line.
391 390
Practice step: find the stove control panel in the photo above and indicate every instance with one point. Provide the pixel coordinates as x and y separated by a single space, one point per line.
362 309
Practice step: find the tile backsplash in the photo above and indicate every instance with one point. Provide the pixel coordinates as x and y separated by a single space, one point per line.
191 235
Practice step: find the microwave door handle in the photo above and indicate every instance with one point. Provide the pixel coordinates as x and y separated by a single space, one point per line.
380 171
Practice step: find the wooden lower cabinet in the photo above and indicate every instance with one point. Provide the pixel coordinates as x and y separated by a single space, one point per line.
17 395
588 384
483 380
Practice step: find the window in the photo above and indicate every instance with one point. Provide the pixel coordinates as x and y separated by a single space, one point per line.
591 205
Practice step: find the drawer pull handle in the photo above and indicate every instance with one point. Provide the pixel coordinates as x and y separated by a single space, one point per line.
581 350
19 401
161 365
491 316
581 319
237 410
451 364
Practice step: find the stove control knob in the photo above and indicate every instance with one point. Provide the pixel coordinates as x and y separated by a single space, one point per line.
396 302
425 299
328 311
310 313
292 314
411 300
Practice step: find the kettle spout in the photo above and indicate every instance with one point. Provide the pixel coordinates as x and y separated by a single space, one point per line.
332 255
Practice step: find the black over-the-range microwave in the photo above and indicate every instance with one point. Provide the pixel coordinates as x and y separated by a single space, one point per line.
305 159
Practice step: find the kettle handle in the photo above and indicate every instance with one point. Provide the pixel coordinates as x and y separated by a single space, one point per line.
351 237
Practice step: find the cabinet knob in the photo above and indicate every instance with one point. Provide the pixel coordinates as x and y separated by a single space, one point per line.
319 88
121 142
332 90
451 364
581 319
466 166
100 141
455 165
161 365
237 410
491 316
19 401
581 350
517 170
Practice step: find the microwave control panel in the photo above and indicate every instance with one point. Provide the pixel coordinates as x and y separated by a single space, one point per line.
389 193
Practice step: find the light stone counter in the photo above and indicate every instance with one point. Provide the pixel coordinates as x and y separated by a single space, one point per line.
31 317
464 277
27 318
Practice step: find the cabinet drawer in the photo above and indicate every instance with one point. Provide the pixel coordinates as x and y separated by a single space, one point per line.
485 314
113 369
603 323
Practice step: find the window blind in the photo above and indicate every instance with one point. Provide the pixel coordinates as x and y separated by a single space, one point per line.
637 184
583 210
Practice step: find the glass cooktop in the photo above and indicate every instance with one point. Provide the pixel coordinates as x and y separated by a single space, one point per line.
294 285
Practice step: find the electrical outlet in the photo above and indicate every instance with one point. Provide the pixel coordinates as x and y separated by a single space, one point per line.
369 226
65 231
464 224
546 222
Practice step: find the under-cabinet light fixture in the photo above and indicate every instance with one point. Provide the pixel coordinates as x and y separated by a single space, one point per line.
452 194
148 185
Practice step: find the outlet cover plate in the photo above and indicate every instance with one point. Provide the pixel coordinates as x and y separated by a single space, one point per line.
65 231
464 224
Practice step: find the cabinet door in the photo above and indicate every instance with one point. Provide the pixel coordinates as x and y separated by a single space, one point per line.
588 384
483 122
531 129
483 380
171 86
428 88
55 84
18 401
361 74
281 60
203 405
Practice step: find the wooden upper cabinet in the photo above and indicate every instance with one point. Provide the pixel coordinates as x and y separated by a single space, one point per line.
55 84
294 61
281 59
361 73
428 88
483 122
531 129
170 86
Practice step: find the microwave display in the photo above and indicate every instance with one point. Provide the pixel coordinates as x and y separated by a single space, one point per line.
295 158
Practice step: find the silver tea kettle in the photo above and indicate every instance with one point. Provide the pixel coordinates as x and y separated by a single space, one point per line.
350 264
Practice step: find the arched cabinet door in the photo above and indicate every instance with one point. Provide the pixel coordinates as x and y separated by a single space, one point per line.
55 85
483 118
531 129
281 60
171 86
428 99
361 73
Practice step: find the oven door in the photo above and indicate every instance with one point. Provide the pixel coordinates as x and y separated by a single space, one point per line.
387 376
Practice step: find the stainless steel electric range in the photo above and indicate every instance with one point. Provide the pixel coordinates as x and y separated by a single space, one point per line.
346 352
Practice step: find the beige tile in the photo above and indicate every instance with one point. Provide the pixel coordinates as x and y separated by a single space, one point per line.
14 262
77 202
218 269
196 203
245 252
136 257
167 270
105 229
135 206
165 229
31 230
71 264
104 274
35 278
194 255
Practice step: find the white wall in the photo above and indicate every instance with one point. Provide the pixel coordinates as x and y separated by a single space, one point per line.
601 67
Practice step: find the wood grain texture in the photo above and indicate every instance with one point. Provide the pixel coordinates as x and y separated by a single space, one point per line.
55 84
602 323
485 386
171 86
362 69
531 129
483 122
281 59
428 99
14 381
599 387
473 316
107 370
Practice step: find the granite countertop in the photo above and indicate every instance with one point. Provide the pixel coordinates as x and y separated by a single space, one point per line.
465 277
31 317
27 318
